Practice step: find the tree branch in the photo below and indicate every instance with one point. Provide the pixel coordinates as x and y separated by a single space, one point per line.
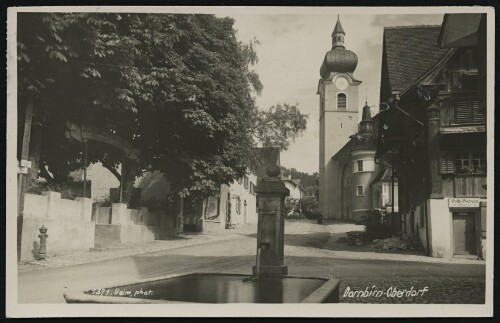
113 171
45 174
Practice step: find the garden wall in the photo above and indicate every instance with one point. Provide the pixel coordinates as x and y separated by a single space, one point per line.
68 223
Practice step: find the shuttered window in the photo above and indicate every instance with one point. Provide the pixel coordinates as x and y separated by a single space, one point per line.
462 163
477 117
467 111
447 165
341 101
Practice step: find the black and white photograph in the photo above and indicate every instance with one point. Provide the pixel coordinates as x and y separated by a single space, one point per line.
250 161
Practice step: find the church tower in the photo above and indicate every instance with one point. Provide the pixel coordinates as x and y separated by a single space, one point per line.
338 104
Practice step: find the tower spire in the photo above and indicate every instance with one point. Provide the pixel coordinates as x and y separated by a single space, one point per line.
338 34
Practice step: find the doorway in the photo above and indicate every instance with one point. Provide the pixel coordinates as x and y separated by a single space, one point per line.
464 233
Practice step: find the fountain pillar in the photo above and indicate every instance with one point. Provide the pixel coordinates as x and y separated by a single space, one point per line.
271 193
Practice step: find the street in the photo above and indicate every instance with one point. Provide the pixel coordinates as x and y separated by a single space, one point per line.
305 256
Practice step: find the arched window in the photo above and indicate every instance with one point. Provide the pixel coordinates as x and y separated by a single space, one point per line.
341 101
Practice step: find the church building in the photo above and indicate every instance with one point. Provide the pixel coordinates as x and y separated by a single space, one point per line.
349 181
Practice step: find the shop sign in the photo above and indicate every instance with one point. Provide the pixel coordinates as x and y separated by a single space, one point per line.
463 202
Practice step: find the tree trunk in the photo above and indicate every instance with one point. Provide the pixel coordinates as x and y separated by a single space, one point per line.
34 154
129 174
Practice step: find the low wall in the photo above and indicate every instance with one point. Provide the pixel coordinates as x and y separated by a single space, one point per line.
104 214
138 233
136 225
68 224
106 234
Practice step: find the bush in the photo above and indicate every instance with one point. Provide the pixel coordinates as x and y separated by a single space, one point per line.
155 205
39 186
294 215
290 205
104 201
310 207
376 225
312 214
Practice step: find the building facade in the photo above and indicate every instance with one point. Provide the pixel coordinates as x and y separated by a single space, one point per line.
347 149
338 104
294 186
433 133
359 183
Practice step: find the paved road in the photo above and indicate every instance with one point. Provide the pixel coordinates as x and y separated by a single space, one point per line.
304 256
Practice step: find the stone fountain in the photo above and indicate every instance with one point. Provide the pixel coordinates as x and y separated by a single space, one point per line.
269 282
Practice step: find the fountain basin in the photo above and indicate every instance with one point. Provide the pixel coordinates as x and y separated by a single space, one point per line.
213 288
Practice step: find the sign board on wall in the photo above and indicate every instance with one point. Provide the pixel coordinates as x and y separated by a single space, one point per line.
463 202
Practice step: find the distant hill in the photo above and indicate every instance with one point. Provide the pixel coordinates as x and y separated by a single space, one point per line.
306 179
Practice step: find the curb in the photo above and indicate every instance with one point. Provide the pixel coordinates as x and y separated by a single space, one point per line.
138 252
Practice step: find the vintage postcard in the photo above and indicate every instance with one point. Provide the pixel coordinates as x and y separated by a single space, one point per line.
250 161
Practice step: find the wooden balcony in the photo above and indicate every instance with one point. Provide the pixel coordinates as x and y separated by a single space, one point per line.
464 186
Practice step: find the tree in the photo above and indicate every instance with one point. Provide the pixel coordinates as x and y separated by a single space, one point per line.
279 126
181 88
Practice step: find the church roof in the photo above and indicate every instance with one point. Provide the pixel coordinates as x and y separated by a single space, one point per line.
384 175
409 53
366 116
338 28
338 59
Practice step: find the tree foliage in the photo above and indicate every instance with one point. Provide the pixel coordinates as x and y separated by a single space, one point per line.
279 126
180 88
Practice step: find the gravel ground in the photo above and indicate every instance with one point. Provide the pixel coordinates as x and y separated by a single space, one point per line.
77 257
439 290
344 250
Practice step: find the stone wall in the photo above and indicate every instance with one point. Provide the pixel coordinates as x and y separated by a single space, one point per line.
136 225
68 222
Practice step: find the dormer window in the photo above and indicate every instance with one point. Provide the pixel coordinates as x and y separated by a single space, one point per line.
341 101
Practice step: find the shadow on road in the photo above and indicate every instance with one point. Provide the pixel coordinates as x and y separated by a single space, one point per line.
150 267
310 240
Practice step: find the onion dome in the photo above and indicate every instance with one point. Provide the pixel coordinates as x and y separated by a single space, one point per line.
338 59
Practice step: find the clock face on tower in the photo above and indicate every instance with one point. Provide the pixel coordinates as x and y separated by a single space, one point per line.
341 83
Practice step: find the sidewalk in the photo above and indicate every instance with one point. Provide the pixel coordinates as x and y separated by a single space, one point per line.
338 230
76 257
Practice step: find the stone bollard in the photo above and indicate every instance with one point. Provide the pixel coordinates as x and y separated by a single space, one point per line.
42 251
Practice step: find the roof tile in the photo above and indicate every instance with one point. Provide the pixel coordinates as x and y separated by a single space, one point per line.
411 51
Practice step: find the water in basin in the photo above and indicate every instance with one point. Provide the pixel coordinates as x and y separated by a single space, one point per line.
226 288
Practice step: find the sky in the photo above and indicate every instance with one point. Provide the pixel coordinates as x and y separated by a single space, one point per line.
291 50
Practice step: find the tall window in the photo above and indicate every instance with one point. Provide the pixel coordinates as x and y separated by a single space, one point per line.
359 190
341 101
359 163
246 182
462 163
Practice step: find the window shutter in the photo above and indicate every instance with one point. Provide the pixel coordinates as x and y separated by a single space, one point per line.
341 101
462 111
478 117
447 164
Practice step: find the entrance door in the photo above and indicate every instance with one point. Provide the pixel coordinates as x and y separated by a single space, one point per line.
464 233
